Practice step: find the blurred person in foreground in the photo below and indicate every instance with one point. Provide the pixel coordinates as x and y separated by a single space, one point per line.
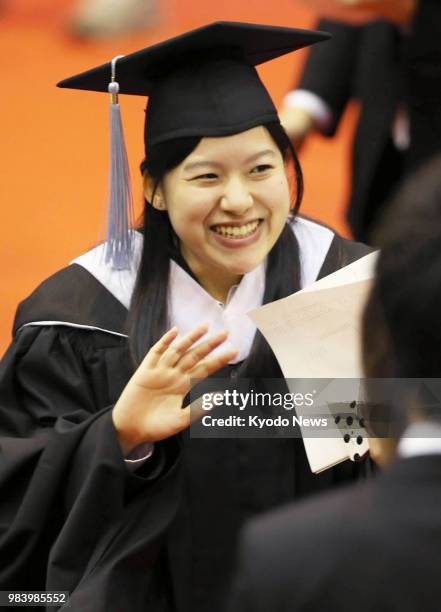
387 55
376 546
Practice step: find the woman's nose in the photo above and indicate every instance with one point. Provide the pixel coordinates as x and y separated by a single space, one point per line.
236 198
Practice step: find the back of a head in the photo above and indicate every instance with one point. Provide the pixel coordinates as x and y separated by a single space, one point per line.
402 326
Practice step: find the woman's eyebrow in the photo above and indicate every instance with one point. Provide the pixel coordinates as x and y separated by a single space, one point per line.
213 164
260 154
200 164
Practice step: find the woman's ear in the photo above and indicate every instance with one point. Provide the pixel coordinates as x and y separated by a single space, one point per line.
153 193
383 450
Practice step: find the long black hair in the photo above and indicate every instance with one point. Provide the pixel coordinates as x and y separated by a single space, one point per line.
148 316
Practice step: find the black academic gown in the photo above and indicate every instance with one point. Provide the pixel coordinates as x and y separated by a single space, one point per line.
72 516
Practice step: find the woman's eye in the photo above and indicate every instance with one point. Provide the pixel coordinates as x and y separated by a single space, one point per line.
261 168
210 176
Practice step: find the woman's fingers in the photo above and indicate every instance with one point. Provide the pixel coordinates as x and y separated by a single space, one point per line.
209 366
199 352
158 349
189 358
174 353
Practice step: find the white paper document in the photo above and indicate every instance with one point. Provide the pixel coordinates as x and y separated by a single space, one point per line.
315 333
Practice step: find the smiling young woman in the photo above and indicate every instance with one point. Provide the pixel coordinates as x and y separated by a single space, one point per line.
108 496
228 203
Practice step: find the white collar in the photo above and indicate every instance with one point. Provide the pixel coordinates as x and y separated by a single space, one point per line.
423 438
189 303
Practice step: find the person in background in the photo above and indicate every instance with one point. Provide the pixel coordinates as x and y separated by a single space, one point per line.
363 62
422 69
110 18
376 546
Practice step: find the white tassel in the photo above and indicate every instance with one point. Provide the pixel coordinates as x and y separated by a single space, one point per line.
118 251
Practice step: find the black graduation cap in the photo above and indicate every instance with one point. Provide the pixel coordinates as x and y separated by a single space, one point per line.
201 83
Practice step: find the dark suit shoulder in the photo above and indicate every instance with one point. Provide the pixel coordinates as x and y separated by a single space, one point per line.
314 516
372 546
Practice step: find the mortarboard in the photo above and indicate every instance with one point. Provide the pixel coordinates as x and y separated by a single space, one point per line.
201 83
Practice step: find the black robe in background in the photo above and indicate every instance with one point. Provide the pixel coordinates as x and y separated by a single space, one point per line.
364 63
72 516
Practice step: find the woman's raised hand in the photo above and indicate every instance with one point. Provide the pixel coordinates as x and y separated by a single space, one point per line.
150 407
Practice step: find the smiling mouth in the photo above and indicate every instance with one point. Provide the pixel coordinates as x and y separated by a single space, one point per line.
235 231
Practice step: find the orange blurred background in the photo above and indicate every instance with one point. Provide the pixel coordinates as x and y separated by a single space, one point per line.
55 143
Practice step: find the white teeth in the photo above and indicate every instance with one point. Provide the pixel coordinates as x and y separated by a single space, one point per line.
236 232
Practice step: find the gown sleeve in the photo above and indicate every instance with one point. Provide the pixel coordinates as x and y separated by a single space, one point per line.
67 495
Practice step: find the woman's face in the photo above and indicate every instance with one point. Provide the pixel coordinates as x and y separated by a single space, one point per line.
228 202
